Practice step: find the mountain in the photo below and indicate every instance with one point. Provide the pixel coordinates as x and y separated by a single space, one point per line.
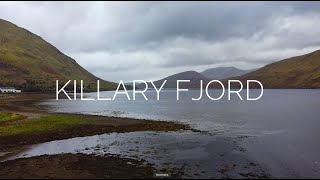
193 76
295 72
224 72
32 64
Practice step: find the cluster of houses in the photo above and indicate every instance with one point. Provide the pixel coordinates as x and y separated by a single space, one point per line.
9 90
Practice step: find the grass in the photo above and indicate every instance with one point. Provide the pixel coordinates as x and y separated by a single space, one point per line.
4 117
62 122
41 124
296 72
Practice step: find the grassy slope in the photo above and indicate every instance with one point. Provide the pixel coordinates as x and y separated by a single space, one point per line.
29 62
296 72
5 117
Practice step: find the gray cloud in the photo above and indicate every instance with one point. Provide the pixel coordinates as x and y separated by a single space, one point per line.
150 40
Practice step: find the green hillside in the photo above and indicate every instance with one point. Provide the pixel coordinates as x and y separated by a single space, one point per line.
32 64
296 72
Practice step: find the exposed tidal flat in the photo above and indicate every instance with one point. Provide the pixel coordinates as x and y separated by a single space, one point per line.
272 137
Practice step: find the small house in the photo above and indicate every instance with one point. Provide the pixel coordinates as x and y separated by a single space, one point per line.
9 90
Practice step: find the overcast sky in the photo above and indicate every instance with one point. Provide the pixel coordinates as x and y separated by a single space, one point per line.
151 40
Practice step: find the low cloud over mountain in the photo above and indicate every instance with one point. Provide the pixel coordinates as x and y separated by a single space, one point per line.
142 40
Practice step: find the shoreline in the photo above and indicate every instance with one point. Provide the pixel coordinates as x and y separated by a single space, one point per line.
25 104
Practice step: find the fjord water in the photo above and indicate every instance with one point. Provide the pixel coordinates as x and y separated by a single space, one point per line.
277 110
275 136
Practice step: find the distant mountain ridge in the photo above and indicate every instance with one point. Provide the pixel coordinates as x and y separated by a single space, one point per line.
195 77
295 72
32 64
224 72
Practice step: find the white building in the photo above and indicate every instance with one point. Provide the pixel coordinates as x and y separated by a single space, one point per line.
9 90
